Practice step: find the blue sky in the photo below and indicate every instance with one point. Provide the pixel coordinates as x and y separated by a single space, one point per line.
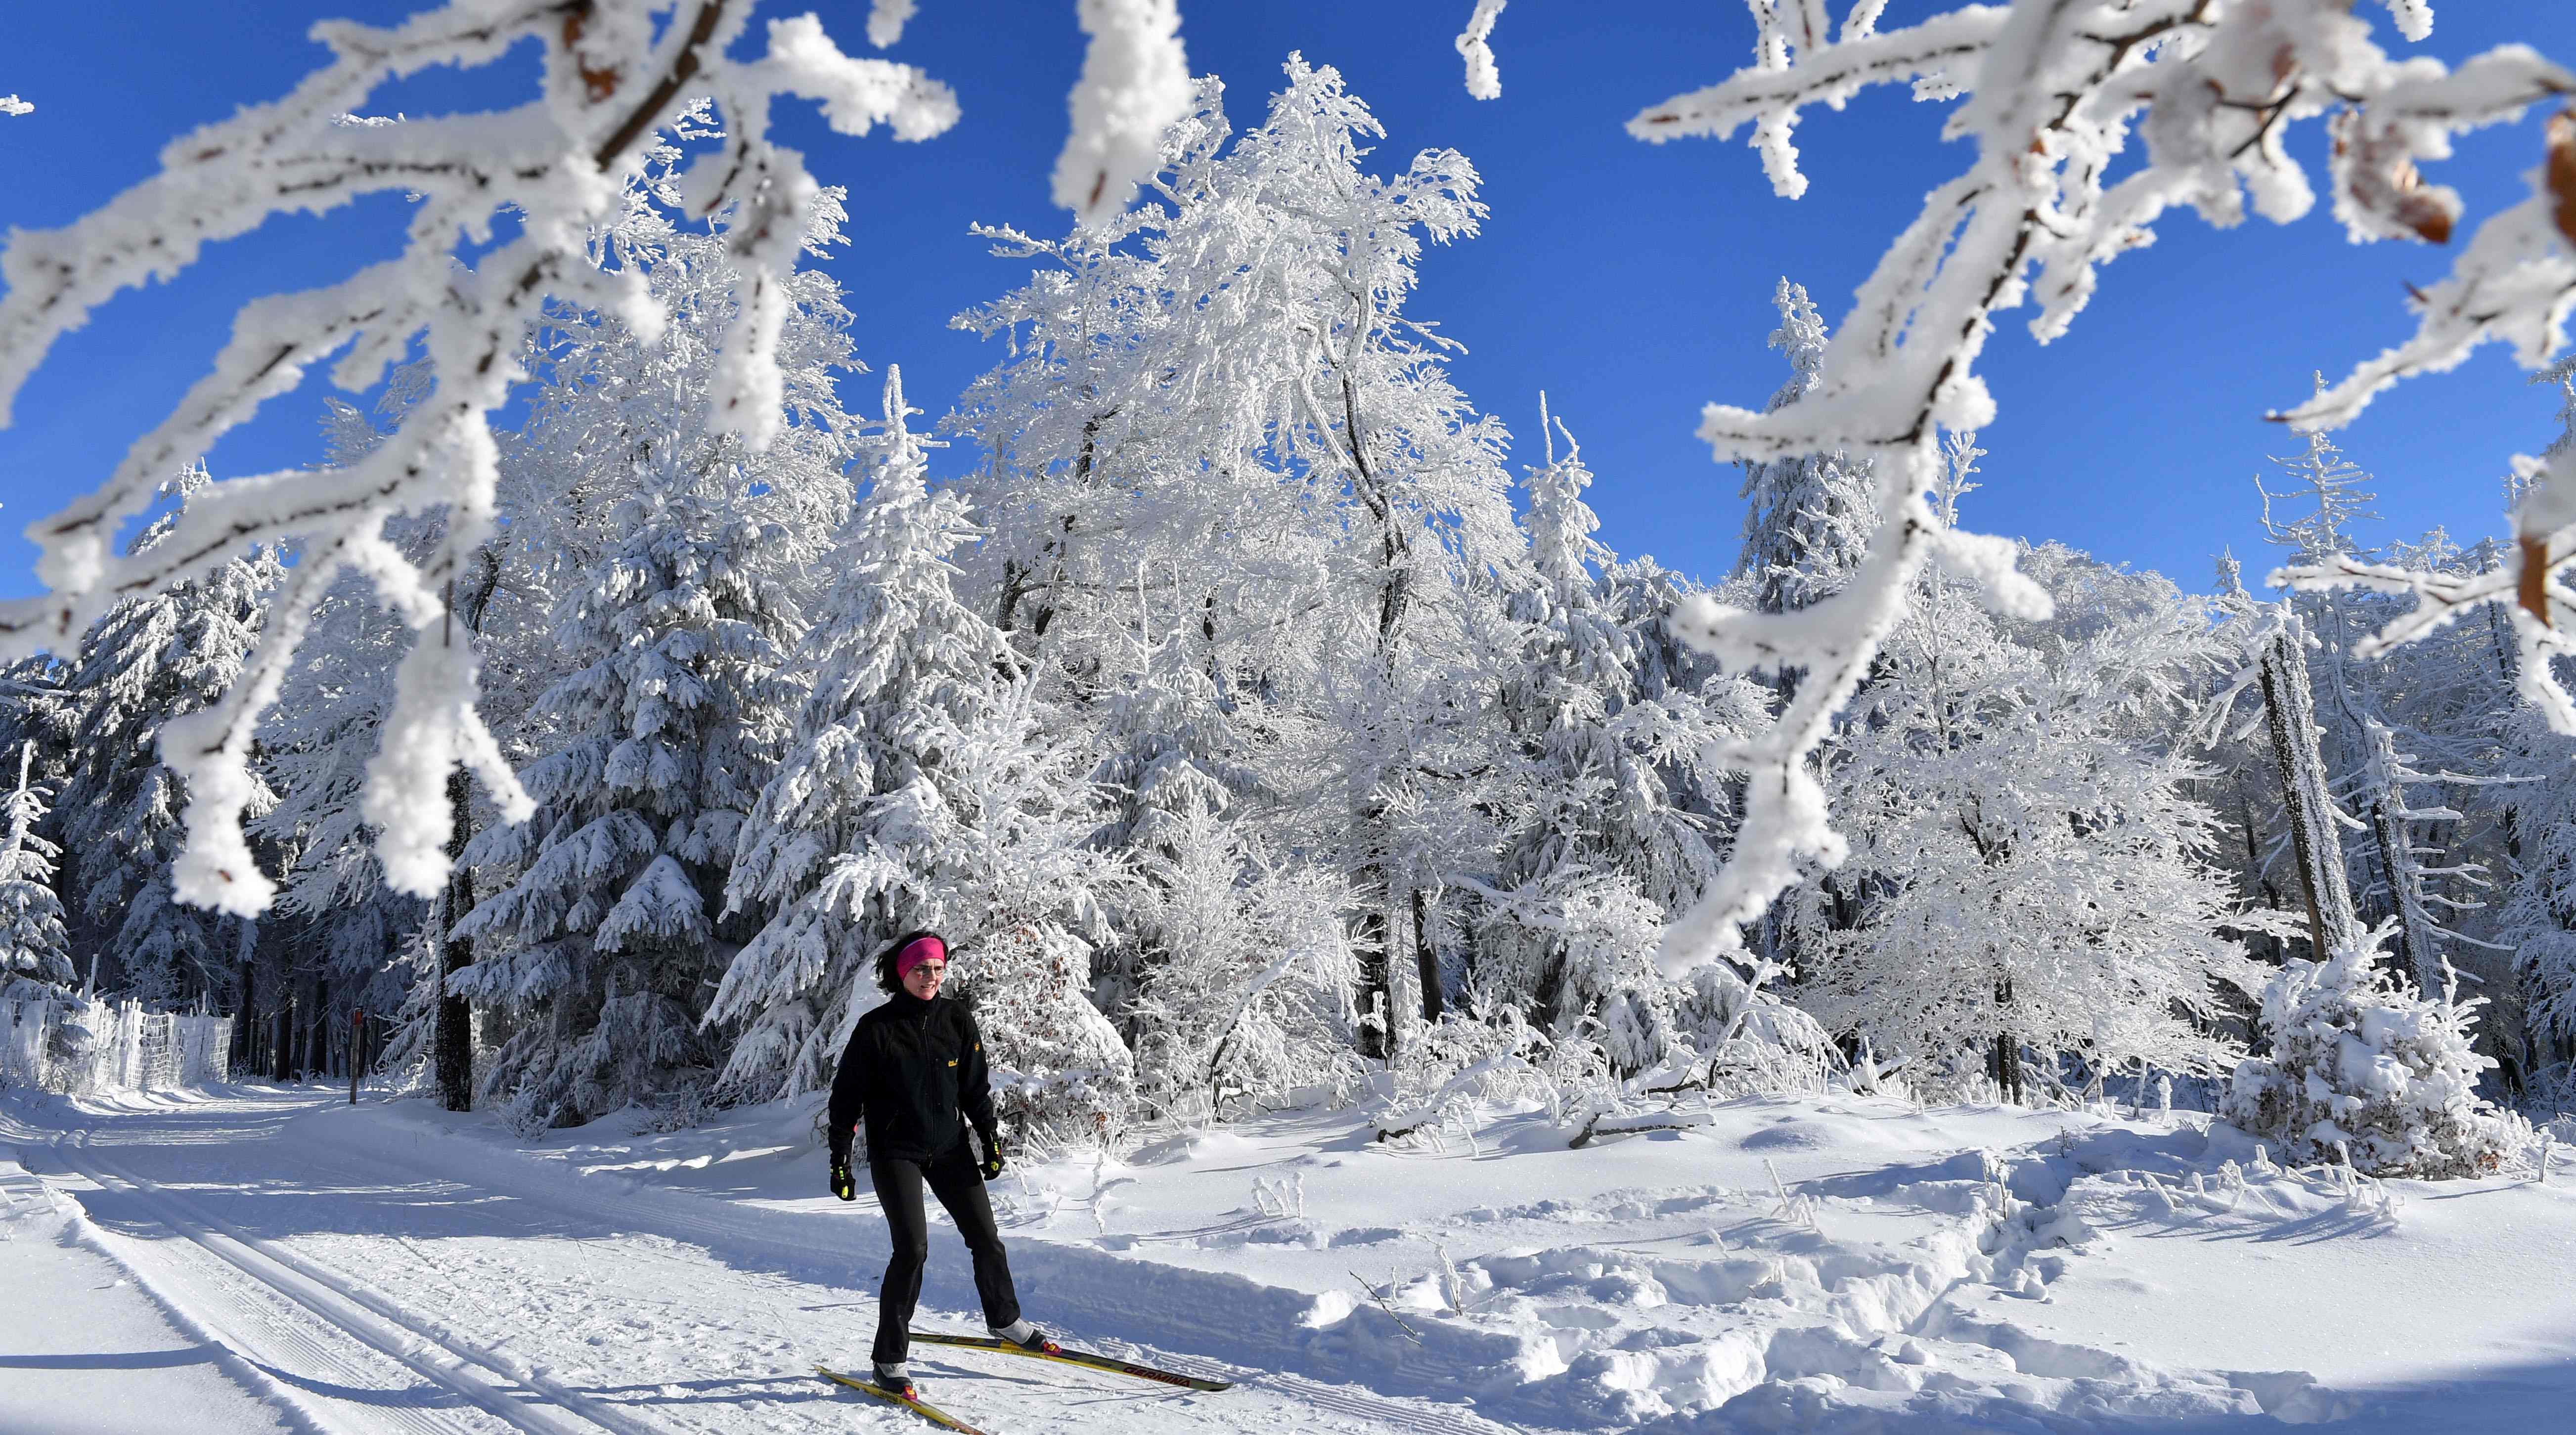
1630 282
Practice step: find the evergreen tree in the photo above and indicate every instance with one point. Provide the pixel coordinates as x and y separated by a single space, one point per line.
148 660
1604 847
923 789
2364 1069
35 954
1807 517
683 556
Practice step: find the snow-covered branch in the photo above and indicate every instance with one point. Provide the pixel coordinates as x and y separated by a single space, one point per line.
1476 47
2524 584
1135 85
547 174
2054 90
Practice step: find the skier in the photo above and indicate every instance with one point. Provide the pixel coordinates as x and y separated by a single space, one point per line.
915 1070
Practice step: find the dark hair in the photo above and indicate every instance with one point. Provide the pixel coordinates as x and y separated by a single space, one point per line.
886 976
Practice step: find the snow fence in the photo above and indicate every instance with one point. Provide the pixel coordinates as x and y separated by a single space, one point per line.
76 1047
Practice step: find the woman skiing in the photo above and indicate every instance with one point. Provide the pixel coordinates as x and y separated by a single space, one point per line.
914 1069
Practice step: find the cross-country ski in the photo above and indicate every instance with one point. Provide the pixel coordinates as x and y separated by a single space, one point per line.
917 1406
1069 1356
1173 716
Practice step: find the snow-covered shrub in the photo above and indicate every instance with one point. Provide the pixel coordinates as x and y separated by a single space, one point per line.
1749 1040
1247 991
2364 1064
1491 1059
1060 1073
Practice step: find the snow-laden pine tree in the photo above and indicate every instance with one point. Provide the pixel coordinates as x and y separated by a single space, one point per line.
1604 842
899 665
925 786
35 952
148 660
682 559
342 923
2033 867
1807 517
1807 521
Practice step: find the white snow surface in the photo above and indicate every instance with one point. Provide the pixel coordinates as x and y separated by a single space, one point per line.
84 1351
391 1267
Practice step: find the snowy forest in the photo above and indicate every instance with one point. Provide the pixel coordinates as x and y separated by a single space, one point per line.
1302 784
1257 713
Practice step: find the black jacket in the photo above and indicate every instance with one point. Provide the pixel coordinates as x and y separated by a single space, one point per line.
915 1069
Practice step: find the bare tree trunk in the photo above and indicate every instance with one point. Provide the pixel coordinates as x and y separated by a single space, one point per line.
1377 956
453 1037
454 1055
2007 1056
2305 796
2418 931
1376 1000
1426 959
245 1040
282 1049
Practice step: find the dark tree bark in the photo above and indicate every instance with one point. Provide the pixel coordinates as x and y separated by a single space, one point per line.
453 1050
1426 959
454 1056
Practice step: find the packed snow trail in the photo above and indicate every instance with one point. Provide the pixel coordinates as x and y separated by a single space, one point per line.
372 1293
83 1351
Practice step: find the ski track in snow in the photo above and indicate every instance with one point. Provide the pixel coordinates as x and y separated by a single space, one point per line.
374 1296
394 1269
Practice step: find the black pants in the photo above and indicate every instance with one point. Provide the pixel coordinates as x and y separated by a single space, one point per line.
960 1189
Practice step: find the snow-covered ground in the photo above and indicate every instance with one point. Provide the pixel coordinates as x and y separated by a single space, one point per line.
1833 1263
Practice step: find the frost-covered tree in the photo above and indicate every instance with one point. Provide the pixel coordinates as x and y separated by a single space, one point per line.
2362 1068
2052 96
613 75
1808 516
2422 901
924 787
35 952
900 667
1607 837
149 660
1398 469
1220 417
2308 805
1250 997
683 555
2032 867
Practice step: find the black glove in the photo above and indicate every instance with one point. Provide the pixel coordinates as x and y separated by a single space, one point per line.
992 1166
842 1185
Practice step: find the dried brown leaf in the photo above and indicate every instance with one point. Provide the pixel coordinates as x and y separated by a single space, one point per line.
2533 591
2560 174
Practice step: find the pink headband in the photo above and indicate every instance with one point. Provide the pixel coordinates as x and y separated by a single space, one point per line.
917 951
